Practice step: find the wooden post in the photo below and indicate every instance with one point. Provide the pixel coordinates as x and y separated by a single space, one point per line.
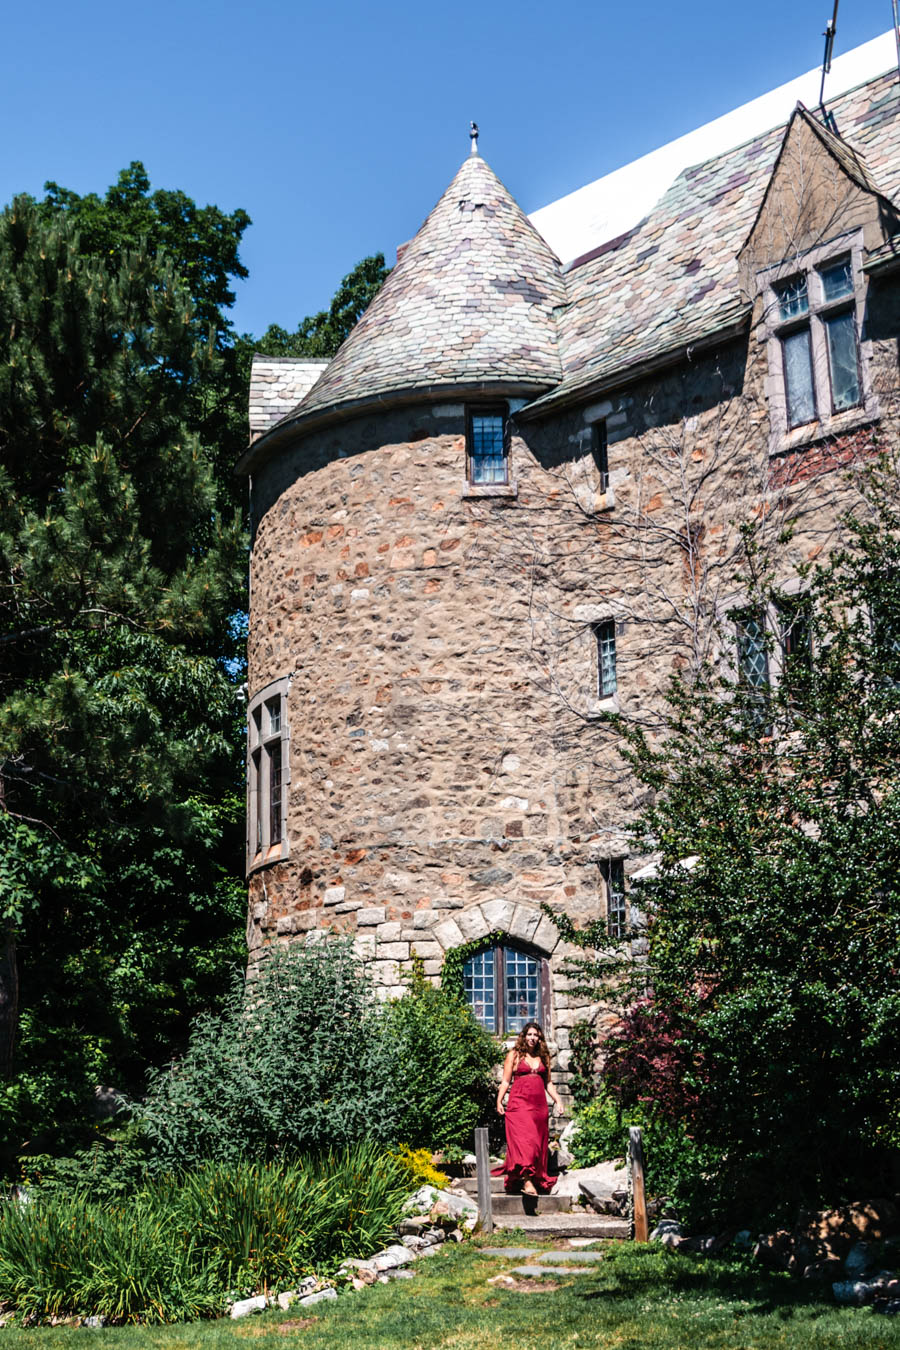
639 1196
483 1172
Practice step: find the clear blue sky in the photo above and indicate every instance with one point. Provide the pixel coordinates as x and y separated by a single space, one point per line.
338 125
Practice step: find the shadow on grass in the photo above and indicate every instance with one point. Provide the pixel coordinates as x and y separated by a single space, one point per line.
629 1273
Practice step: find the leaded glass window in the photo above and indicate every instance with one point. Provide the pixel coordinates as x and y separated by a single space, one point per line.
753 655
504 988
793 297
607 681
487 447
837 279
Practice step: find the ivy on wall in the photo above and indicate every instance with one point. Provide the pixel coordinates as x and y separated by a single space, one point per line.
456 958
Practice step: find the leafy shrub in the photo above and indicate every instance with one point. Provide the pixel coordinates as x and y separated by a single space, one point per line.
445 1087
601 1132
419 1168
296 1061
177 1248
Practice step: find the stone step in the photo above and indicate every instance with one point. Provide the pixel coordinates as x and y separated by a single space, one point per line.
556 1225
470 1186
524 1204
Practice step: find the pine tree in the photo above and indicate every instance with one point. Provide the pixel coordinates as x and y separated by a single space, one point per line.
119 577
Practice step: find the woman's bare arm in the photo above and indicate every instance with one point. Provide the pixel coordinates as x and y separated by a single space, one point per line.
509 1065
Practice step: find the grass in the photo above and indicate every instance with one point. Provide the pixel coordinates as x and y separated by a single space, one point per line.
635 1299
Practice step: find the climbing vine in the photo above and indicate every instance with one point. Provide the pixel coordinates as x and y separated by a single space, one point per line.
456 958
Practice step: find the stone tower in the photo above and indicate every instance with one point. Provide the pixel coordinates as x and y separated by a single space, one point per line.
410 780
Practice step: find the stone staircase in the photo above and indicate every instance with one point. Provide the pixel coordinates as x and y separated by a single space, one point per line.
547 1215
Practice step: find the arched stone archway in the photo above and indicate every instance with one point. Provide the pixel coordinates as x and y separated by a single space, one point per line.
522 921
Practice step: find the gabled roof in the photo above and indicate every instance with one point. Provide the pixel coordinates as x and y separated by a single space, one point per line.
673 280
471 301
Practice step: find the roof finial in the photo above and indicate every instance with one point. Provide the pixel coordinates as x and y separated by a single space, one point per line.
473 132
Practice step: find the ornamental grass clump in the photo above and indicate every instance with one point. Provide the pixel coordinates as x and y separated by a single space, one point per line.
179 1248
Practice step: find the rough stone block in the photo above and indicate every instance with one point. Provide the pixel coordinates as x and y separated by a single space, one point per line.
285 924
433 969
367 918
448 934
427 951
498 914
393 951
364 947
348 907
334 895
472 923
524 922
424 918
546 935
388 932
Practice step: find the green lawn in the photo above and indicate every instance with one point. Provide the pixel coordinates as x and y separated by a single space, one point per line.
635 1299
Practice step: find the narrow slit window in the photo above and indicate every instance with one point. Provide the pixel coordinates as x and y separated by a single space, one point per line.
613 872
607 679
267 774
601 455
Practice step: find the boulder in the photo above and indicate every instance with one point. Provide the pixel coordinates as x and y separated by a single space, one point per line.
318 1297
422 1201
602 1179
392 1257
669 1233
245 1306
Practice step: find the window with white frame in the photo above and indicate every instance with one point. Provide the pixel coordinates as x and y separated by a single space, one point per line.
607 679
268 773
613 872
814 316
505 987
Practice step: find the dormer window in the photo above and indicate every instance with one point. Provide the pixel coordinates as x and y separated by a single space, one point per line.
487 449
813 320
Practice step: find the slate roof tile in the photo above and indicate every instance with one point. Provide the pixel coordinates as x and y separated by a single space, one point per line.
478 295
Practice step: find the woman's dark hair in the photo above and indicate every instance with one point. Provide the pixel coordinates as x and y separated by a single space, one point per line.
521 1048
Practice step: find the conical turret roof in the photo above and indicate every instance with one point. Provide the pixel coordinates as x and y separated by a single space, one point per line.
470 302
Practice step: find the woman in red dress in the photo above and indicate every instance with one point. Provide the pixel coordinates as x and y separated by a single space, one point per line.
526 1077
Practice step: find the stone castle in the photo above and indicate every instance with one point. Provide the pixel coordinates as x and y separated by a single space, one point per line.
511 502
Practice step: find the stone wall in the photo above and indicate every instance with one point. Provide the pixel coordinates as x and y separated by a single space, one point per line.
450 769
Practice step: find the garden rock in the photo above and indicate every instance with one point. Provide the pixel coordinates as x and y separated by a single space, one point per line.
854 1291
392 1257
245 1306
668 1232
859 1260
424 1199
318 1297
602 1179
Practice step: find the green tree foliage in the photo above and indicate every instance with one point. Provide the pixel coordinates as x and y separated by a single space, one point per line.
118 716
769 1010
303 1056
294 1061
200 244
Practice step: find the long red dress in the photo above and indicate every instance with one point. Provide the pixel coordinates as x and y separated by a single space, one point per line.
527 1130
